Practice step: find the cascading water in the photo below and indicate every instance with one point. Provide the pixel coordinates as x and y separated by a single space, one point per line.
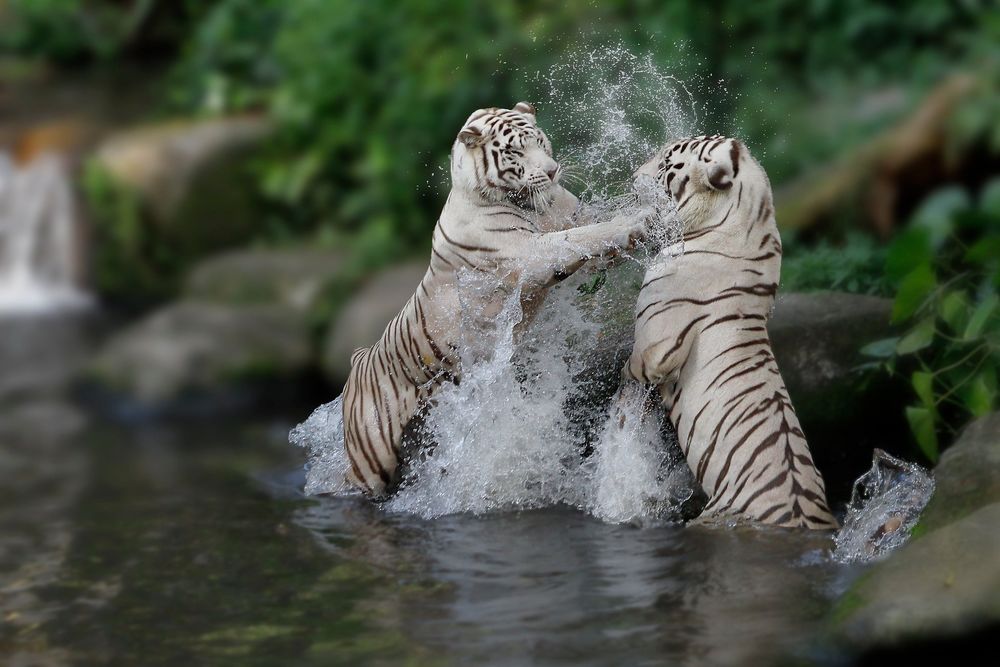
39 246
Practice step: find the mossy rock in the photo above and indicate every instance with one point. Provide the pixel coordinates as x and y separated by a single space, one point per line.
944 583
161 197
362 320
295 277
967 476
191 352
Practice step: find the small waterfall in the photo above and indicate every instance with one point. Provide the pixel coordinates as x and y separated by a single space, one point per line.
39 237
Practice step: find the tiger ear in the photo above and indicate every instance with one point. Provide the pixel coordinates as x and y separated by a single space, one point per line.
719 176
526 108
471 137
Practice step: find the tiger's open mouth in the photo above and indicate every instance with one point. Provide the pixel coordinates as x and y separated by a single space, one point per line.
529 198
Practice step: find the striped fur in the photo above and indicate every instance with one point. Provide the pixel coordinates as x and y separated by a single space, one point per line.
507 219
701 338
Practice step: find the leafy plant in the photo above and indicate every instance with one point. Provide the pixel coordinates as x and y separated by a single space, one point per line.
946 268
367 95
856 266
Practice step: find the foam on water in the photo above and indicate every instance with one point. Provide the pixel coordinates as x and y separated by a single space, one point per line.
322 435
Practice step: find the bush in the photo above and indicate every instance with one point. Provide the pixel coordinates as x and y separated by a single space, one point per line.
946 269
369 95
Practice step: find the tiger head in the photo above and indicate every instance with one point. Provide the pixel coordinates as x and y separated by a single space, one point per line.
707 177
502 154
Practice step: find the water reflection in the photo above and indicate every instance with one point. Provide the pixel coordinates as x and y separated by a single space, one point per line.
556 586
179 543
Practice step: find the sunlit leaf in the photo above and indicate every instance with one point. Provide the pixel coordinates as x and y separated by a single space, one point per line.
980 316
912 292
921 422
881 349
923 384
917 338
937 213
954 310
978 397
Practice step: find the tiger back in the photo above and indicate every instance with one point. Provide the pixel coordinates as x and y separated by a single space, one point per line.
701 338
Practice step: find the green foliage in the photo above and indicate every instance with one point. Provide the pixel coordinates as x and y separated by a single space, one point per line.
854 266
946 267
66 31
368 95
121 255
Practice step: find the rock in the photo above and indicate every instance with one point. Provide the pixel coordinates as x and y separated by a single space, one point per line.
163 163
944 583
967 476
817 338
293 277
190 350
363 319
181 186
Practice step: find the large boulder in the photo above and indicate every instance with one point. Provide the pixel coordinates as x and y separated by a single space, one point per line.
967 477
946 581
943 584
845 413
162 196
295 277
364 317
188 352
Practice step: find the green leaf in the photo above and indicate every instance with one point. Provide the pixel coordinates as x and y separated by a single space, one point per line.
937 213
954 310
984 250
980 316
922 425
989 197
923 384
881 349
917 338
911 250
913 292
979 398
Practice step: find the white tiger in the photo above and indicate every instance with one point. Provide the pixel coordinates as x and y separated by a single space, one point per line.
506 218
701 339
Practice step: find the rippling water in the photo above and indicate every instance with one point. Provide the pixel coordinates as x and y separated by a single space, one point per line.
176 548
188 543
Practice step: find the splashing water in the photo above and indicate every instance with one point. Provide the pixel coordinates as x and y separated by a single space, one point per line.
633 476
38 238
612 109
322 435
885 505
534 398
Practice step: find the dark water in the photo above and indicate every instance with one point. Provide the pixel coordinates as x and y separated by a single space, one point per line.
189 544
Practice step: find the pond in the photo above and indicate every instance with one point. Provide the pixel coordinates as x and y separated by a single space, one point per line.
189 542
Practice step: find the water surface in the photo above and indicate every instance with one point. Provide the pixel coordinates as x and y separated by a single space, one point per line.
181 543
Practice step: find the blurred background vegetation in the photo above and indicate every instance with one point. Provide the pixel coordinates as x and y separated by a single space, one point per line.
877 122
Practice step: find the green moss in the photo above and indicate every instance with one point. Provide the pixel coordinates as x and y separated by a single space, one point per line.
129 262
849 603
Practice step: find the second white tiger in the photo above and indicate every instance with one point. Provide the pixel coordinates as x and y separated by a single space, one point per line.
701 339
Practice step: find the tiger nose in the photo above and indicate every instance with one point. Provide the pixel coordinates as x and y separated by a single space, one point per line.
552 172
